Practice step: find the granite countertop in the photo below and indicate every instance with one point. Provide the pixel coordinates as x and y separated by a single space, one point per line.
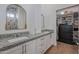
5 44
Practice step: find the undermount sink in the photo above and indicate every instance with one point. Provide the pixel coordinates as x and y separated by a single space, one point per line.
17 39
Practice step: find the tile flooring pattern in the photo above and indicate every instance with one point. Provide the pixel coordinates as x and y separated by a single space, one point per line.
63 48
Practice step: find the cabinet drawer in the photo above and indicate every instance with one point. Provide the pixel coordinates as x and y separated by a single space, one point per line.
15 50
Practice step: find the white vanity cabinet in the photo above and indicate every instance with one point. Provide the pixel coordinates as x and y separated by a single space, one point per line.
31 47
15 50
48 42
36 46
43 44
53 41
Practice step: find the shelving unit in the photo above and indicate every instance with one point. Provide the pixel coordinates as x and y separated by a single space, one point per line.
63 19
76 27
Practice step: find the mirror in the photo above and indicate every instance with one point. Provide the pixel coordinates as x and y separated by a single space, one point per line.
16 18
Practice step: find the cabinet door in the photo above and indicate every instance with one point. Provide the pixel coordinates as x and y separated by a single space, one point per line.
43 44
38 46
53 41
31 47
24 48
15 50
48 41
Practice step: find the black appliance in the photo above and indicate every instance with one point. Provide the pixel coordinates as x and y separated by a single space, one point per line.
66 33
